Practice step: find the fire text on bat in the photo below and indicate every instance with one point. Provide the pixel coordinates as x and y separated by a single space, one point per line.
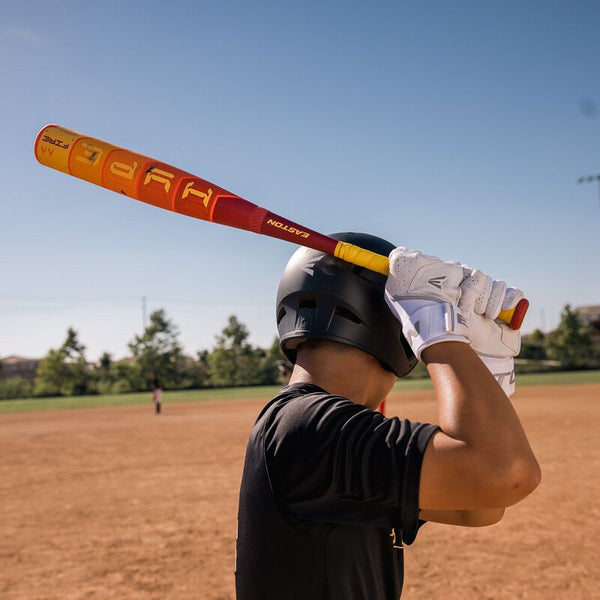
54 141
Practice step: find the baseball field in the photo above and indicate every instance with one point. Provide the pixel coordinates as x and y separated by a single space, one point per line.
113 502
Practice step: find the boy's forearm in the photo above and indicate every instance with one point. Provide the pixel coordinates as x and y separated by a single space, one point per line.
472 407
464 518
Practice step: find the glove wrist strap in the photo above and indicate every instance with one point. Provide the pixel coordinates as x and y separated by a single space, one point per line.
427 322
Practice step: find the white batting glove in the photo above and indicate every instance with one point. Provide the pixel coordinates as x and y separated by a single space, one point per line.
493 340
491 295
496 345
423 292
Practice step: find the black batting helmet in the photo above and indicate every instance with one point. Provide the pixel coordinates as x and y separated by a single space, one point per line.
321 297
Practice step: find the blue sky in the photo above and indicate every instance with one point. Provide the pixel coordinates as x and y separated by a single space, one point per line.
459 128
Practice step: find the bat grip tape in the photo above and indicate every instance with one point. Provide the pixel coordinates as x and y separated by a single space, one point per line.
363 258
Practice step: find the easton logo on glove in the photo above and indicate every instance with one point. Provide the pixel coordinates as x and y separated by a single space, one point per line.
436 282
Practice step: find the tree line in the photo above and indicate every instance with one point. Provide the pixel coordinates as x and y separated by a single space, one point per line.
155 353
572 345
233 361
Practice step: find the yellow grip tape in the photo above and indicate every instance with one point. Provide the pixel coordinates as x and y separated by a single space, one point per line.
363 258
506 315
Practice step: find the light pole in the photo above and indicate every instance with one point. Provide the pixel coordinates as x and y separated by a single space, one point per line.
591 179
144 311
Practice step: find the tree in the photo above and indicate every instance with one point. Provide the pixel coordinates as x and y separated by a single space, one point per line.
571 342
275 362
104 374
197 369
126 377
269 363
234 362
157 353
532 346
15 387
105 364
64 371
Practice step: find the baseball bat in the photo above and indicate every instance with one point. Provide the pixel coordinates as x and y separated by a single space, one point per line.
168 187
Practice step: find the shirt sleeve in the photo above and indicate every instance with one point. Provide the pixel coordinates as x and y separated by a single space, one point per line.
333 461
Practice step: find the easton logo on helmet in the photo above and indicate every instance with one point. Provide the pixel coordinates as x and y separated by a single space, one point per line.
308 267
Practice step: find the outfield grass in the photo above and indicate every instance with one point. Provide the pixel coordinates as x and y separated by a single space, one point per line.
558 378
554 378
36 404
33 404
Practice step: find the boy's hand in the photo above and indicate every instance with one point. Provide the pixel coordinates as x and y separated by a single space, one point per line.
425 294
439 301
497 344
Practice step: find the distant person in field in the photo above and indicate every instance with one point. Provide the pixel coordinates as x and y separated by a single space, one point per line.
157 391
332 490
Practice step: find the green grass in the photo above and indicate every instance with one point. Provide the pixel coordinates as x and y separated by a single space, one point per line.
523 379
29 405
35 404
410 385
558 378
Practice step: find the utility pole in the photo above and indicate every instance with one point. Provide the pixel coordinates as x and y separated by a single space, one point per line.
144 320
591 179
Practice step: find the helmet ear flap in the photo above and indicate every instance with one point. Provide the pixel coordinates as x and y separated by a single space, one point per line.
323 297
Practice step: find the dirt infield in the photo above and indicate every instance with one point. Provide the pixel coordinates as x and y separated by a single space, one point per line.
117 503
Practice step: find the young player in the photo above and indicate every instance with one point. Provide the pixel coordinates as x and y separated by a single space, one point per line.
331 488
157 392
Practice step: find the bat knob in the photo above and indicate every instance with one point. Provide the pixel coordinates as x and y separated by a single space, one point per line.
514 317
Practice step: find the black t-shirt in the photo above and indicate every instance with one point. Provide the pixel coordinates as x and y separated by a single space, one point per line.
329 494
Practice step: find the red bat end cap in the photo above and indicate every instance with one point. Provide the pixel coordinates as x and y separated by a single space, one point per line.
519 314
